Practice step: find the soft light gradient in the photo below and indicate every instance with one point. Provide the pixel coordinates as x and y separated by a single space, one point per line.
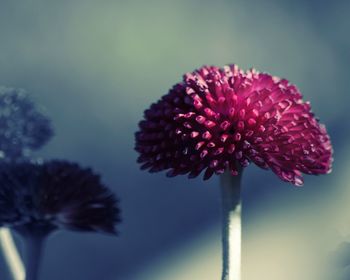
96 65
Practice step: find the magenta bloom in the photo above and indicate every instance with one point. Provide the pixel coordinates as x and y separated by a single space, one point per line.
220 118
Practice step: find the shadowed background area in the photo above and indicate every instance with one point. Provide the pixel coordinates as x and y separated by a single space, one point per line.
96 65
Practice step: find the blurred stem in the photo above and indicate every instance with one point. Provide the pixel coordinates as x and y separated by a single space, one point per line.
11 254
33 251
231 226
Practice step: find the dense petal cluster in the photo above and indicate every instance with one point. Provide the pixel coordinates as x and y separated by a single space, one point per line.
23 126
55 194
219 118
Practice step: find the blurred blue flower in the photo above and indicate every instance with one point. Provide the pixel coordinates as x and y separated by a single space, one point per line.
55 195
23 126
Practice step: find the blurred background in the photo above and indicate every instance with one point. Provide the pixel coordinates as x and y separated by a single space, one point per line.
96 65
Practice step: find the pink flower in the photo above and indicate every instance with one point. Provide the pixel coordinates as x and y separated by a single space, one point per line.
219 118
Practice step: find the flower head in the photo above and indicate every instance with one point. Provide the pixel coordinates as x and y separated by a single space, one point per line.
55 194
23 126
220 118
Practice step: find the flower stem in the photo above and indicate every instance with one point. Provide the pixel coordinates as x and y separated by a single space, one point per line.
11 254
231 226
34 246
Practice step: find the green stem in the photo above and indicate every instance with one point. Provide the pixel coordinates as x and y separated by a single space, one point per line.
231 226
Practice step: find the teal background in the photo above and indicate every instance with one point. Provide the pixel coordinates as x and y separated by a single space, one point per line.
96 65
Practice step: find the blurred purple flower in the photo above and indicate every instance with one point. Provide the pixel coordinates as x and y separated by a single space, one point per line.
55 195
217 118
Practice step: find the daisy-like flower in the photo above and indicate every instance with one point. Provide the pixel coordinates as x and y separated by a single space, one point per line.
23 126
55 195
36 199
219 119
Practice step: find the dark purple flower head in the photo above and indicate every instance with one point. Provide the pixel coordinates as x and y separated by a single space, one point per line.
55 194
219 118
23 126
